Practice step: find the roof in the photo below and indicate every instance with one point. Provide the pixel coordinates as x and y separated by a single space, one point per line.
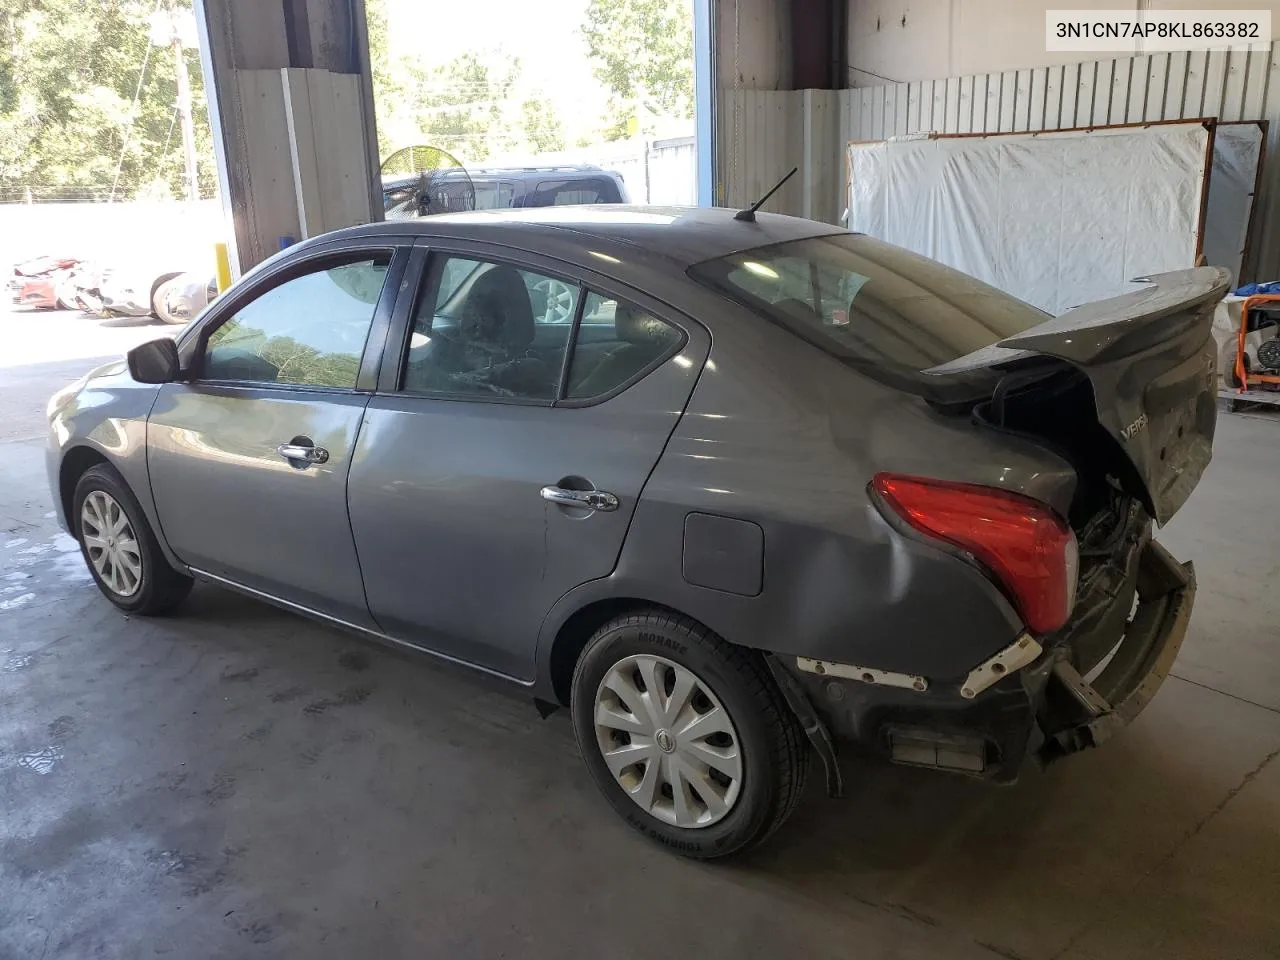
686 235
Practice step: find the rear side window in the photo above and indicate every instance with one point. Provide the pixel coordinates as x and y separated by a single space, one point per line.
886 310
586 190
495 195
308 331
616 341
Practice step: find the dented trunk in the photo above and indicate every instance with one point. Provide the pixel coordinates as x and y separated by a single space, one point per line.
1149 361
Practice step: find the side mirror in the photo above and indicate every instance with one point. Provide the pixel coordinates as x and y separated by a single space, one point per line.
155 361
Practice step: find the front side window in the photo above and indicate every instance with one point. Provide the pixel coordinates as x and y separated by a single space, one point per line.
490 330
885 310
616 341
400 202
308 331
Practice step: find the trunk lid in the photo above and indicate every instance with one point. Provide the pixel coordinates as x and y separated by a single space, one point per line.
1150 358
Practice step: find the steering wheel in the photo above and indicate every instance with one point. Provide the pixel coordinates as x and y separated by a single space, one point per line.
559 298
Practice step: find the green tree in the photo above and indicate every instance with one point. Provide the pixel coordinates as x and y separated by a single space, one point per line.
644 54
541 126
388 89
69 121
464 106
469 106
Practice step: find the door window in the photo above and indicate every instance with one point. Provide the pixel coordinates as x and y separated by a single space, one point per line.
310 330
490 330
495 195
560 192
616 341
400 202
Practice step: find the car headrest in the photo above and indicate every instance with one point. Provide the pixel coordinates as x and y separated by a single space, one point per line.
633 325
500 296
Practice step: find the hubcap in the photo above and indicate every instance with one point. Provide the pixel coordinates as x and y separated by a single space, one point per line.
668 741
559 301
111 543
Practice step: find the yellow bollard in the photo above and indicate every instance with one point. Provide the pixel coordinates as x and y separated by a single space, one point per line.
222 258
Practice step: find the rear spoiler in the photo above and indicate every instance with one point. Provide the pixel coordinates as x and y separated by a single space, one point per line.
1091 332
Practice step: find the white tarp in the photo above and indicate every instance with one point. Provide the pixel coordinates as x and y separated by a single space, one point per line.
1237 151
1056 219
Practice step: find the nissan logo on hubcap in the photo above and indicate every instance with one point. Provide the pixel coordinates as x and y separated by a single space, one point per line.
666 742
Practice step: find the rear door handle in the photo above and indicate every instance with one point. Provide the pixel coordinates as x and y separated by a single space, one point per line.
307 454
590 499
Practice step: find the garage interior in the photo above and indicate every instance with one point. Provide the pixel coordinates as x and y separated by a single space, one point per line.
236 781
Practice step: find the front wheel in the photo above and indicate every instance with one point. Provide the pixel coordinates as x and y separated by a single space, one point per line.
686 735
119 547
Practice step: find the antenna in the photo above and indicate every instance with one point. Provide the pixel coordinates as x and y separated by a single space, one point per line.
749 214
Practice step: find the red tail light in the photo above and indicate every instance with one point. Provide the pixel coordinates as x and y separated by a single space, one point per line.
1027 546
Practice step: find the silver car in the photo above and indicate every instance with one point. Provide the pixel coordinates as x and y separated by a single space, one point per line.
774 486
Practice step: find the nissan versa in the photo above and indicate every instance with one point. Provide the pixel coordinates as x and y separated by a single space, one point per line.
734 490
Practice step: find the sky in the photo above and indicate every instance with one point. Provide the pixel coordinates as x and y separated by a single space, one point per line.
543 34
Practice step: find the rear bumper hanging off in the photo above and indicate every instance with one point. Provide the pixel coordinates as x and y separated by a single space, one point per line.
1092 712
1027 699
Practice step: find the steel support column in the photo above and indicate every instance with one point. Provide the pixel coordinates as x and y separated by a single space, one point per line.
704 100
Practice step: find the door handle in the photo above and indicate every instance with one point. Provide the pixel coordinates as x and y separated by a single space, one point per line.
307 454
590 499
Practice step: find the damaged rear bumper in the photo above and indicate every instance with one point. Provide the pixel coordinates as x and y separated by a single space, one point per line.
1043 708
1080 713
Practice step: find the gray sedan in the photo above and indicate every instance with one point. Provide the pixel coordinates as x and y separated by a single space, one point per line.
755 488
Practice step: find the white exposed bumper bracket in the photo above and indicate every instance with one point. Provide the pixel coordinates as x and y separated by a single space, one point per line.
1014 657
849 671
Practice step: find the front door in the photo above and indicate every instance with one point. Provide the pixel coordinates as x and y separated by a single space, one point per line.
504 468
249 459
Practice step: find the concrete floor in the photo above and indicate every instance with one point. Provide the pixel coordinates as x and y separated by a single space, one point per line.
238 782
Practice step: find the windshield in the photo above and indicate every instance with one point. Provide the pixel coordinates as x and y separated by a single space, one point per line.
885 310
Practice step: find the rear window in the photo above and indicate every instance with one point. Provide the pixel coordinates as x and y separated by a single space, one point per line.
885 310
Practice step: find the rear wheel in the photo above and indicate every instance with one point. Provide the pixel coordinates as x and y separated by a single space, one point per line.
119 547
686 735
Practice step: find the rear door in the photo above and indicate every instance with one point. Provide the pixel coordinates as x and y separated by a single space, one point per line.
505 451
248 459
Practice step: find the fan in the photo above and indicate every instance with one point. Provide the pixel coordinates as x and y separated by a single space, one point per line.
418 181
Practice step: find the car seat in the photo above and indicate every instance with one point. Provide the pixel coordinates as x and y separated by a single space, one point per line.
643 338
496 320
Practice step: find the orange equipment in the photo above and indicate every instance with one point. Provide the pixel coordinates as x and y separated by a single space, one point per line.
1244 377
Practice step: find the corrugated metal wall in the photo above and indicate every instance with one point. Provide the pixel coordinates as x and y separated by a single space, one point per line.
760 136
761 133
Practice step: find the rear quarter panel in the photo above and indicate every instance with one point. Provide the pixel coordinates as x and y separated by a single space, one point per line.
782 435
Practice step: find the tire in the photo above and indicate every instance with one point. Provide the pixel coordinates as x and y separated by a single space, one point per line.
141 580
155 291
772 753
